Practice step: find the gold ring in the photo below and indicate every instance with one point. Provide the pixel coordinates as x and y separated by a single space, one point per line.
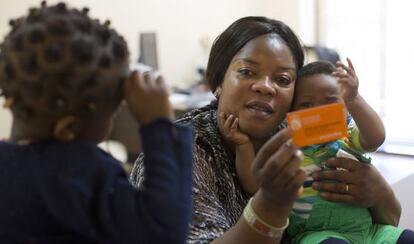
346 188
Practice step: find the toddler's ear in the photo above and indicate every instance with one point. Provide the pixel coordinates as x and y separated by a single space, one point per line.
65 128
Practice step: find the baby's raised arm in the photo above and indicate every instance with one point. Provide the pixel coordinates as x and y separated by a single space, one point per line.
371 128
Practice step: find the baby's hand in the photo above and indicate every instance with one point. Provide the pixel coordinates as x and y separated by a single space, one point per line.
147 97
231 129
348 80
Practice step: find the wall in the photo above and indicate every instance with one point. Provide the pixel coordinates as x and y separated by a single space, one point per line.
182 27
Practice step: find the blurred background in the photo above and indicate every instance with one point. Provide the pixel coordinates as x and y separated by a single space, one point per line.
175 37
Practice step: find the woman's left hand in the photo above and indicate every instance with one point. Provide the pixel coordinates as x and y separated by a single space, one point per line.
350 181
358 184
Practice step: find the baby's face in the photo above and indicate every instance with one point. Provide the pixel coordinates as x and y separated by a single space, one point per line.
316 90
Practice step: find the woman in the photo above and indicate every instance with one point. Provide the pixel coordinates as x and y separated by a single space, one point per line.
252 71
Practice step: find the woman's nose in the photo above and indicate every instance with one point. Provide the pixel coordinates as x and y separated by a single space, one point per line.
264 86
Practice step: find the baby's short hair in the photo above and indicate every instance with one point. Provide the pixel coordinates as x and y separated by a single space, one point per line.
58 61
315 68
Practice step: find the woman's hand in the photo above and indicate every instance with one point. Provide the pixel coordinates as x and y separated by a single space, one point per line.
360 185
279 177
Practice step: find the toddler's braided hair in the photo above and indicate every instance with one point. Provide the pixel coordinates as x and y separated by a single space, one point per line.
57 61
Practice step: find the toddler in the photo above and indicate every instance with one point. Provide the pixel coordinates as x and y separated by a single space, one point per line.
63 76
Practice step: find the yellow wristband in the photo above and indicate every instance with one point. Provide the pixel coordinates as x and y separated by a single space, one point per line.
261 226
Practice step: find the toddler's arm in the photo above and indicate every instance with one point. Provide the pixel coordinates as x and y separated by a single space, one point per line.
165 194
244 151
371 128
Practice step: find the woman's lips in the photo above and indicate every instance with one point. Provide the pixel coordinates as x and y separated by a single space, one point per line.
260 109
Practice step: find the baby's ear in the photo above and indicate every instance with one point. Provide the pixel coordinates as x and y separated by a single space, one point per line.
65 128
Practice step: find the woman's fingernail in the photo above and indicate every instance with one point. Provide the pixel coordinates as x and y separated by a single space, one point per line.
300 190
300 155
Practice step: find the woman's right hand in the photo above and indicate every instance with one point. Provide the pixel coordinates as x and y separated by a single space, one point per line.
279 176
147 97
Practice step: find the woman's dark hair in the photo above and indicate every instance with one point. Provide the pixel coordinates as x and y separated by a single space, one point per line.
57 61
315 68
243 30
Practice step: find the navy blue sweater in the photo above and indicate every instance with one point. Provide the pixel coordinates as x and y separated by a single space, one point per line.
55 192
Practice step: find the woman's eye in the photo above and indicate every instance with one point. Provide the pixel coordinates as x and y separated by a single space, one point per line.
283 81
246 72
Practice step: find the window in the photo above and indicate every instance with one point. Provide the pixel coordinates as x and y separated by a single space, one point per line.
377 36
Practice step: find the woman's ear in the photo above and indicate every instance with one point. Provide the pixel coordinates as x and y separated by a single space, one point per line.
65 128
217 92
8 103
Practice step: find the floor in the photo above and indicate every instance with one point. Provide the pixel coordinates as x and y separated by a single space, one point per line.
399 172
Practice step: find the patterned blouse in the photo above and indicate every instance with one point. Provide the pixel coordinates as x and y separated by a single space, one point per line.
218 197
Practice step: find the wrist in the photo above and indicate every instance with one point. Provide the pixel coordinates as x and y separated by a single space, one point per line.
356 99
243 145
261 226
273 212
388 209
155 124
154 120
388 197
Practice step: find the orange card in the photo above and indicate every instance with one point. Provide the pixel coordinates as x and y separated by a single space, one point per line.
318 125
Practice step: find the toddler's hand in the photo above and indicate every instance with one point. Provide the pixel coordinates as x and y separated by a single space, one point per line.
230 124
348 80
147 97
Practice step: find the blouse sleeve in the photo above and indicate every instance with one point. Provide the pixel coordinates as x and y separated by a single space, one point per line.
209 220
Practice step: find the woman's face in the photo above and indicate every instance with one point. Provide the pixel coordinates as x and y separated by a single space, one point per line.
258 86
